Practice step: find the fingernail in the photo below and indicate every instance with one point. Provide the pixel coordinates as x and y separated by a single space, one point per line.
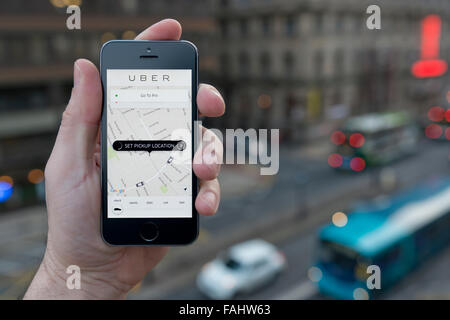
76 74
215 91
210 198
210 158
146 30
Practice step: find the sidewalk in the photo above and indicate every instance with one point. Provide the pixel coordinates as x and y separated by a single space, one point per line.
239 180
22 244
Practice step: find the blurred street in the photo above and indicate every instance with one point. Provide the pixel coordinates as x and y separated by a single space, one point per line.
298 240
363 115
283 211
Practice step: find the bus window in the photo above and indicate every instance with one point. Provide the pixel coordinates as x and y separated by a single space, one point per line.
338 260
388 258
432 237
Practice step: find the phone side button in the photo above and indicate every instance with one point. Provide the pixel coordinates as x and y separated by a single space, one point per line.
149 231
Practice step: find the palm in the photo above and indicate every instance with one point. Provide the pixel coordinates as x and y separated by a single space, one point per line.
74 224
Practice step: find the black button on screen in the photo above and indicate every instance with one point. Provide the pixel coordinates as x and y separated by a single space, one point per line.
149 231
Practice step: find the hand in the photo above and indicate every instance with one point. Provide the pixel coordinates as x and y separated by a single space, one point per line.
73 194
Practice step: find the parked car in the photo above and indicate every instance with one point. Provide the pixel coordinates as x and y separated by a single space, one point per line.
241 269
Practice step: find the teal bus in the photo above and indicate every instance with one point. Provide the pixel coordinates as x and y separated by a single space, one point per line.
373 139
395 234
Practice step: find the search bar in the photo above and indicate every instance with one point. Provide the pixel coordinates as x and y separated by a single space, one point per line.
154 95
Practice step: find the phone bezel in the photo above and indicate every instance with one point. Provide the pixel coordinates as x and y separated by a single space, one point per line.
126 54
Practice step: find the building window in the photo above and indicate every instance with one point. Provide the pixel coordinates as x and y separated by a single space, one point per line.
243 26
266 25
223 26
319 23
244 64
290 25
340 20
359 24
2 52
339 69
289 66
38 52
265 64
244 107
225 64
130 6
318 64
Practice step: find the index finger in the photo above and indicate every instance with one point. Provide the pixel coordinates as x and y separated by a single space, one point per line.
167 29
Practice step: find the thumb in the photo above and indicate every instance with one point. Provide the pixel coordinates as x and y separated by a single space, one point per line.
77 134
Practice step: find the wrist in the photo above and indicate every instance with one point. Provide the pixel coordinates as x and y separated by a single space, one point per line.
53 282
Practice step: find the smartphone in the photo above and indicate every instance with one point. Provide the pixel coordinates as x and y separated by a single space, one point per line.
148 138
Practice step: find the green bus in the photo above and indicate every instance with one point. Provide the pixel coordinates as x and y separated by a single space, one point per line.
372 140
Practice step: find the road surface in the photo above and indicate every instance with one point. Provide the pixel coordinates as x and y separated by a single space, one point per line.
303 182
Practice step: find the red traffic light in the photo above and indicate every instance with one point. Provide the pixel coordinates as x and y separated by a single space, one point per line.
430 65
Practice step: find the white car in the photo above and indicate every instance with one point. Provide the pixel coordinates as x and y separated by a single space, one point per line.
241 269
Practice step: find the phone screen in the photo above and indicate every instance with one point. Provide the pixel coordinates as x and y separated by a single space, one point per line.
149 143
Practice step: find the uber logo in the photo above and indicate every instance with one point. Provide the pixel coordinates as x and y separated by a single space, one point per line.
152 77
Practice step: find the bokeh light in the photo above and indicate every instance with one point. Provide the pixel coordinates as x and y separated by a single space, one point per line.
358 164
65 3
36 176
356 140
264 101
57 3
335 160
361 271
129 35
433 131
6 191
337 137
73 2
436 114
107 36
360 294
447 133
339 219
7 179
315 274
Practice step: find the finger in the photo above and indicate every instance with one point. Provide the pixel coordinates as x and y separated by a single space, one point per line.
209 101
167 29
208 198
77 135
208 157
